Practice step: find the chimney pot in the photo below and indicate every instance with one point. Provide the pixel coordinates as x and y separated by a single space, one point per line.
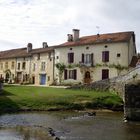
76 34
45 45
70 37
29 47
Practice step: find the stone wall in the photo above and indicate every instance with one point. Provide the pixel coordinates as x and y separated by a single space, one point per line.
132 102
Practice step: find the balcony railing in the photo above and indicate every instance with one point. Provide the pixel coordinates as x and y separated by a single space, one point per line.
86 64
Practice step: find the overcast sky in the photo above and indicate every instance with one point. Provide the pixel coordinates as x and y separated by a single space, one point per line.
37 21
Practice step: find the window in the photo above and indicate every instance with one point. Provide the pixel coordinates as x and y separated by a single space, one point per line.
57 57
48 78
106 46
18 66
6 65
70 74
105 74
38 56
70 48
87 48
118 55
87 58
34 67
43 66
70 57
105 56
1 66
24 65
12 65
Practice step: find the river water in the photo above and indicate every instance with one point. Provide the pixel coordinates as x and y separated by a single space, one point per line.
67 126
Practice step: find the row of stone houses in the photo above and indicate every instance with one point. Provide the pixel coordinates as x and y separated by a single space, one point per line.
84 59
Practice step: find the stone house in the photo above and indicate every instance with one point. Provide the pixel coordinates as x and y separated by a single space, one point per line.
97 57
42 66
27 65
86 59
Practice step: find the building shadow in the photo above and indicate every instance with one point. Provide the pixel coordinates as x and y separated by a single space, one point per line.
6 104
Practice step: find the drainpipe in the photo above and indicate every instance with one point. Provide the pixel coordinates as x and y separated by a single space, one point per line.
30 69
16 69
53 64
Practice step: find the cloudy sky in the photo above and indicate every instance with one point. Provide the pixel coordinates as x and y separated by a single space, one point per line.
35 21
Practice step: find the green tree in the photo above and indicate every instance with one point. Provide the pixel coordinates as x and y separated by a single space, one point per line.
61 67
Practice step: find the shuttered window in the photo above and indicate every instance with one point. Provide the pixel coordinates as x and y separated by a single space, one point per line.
65 74
87 58
105 56
70 74
70 57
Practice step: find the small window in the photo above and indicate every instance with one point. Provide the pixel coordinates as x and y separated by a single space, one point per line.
57 57
48 78
1 66
6 65
105 56
70 57
38 57
87 48
118 55
18 66
43 66
34 67
106 46
12 65
24 65
70 48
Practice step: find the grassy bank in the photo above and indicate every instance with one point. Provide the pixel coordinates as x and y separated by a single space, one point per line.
16 98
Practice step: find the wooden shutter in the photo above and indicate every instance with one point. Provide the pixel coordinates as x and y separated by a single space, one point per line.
75 74
72 57
92 59
65 74
68 57
103 56
82 58
107 56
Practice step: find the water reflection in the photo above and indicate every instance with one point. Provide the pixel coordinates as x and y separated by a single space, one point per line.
67 126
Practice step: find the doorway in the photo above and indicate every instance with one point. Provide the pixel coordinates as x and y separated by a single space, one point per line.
87 78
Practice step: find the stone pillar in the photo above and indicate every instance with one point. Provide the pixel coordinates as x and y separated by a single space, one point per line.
132 102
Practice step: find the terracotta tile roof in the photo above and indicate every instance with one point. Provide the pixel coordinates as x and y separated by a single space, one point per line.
99 39
41 50
22 52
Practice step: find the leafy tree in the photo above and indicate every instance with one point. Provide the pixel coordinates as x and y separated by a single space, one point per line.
61 67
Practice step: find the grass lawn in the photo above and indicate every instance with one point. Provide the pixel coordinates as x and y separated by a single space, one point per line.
16 98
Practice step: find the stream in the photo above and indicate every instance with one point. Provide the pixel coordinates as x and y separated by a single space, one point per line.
67 126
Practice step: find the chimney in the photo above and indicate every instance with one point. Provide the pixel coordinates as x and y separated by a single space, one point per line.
70 37
76 34
29 47
44 44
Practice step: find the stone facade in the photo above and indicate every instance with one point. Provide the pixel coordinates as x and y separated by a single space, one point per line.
132 102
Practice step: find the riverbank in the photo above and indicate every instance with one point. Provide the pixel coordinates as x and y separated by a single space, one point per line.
27 98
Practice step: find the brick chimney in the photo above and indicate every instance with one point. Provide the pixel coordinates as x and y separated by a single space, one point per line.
76 34
70 37
29 47
44 44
